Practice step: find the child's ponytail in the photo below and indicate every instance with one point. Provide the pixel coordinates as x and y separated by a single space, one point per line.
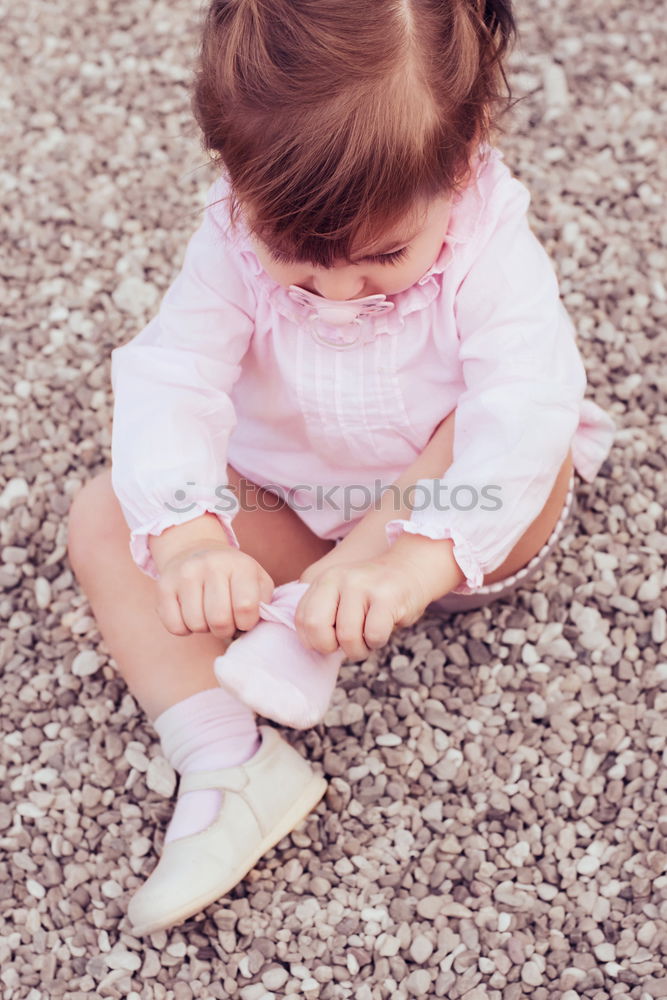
499 19
497 36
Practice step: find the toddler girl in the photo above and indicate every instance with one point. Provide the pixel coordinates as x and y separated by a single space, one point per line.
361 398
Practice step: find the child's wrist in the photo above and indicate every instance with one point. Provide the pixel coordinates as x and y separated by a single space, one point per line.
433 560
179 537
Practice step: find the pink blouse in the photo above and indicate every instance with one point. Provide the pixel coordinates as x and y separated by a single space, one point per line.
234 370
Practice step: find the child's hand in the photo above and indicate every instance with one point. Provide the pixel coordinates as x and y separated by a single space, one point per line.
212 587
358 605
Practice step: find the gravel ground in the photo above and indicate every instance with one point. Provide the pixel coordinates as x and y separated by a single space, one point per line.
496 820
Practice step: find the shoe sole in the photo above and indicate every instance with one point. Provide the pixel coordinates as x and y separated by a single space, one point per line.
306 802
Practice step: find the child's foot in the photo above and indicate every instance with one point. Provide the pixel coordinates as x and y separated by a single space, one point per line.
271 671
261 802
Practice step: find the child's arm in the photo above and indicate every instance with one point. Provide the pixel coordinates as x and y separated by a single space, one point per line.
363 588
173 412
439 570
524 387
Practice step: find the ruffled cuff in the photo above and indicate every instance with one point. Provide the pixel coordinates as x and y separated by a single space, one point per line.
593 439
421 524
140 550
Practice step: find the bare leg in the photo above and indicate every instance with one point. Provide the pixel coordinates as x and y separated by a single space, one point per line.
161 669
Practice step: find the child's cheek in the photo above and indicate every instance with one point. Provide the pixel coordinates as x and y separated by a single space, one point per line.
396 280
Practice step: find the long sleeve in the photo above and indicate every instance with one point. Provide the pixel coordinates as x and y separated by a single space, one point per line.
524 383
172 410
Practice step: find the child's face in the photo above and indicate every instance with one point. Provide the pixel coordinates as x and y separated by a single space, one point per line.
388 266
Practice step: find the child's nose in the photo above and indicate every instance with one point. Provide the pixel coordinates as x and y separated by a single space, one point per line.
339 283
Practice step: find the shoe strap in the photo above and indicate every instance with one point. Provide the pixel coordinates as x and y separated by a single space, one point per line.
232 779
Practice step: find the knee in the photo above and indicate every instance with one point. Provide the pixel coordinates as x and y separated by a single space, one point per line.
94 517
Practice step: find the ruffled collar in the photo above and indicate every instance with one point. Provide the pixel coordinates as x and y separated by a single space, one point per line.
465 219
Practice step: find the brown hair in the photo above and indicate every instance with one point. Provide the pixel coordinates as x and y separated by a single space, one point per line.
333 119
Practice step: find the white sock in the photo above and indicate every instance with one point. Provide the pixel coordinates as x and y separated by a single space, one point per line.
208 730
270 669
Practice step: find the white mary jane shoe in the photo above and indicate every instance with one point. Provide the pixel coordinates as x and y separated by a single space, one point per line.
262 801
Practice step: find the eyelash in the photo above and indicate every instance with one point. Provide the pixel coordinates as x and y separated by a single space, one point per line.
389 258
386 258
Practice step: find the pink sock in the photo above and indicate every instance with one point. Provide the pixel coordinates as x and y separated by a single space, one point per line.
208 730
270 669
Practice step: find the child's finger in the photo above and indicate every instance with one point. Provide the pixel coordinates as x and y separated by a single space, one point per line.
218 605
169 611
191 600
350 624
244 591
315 617
379 625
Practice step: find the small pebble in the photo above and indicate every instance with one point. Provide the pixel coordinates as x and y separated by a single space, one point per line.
604 952
518 854
509 894
587 865
530 974
134 296
35 889
419 983
161 777
15 491
388 740
650 589
275 977
659 626
42 592
421 949
387 945
556 93
123 960
429 906
136 757
253 991
86 663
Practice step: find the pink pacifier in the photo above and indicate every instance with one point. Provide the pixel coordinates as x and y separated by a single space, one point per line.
337 322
